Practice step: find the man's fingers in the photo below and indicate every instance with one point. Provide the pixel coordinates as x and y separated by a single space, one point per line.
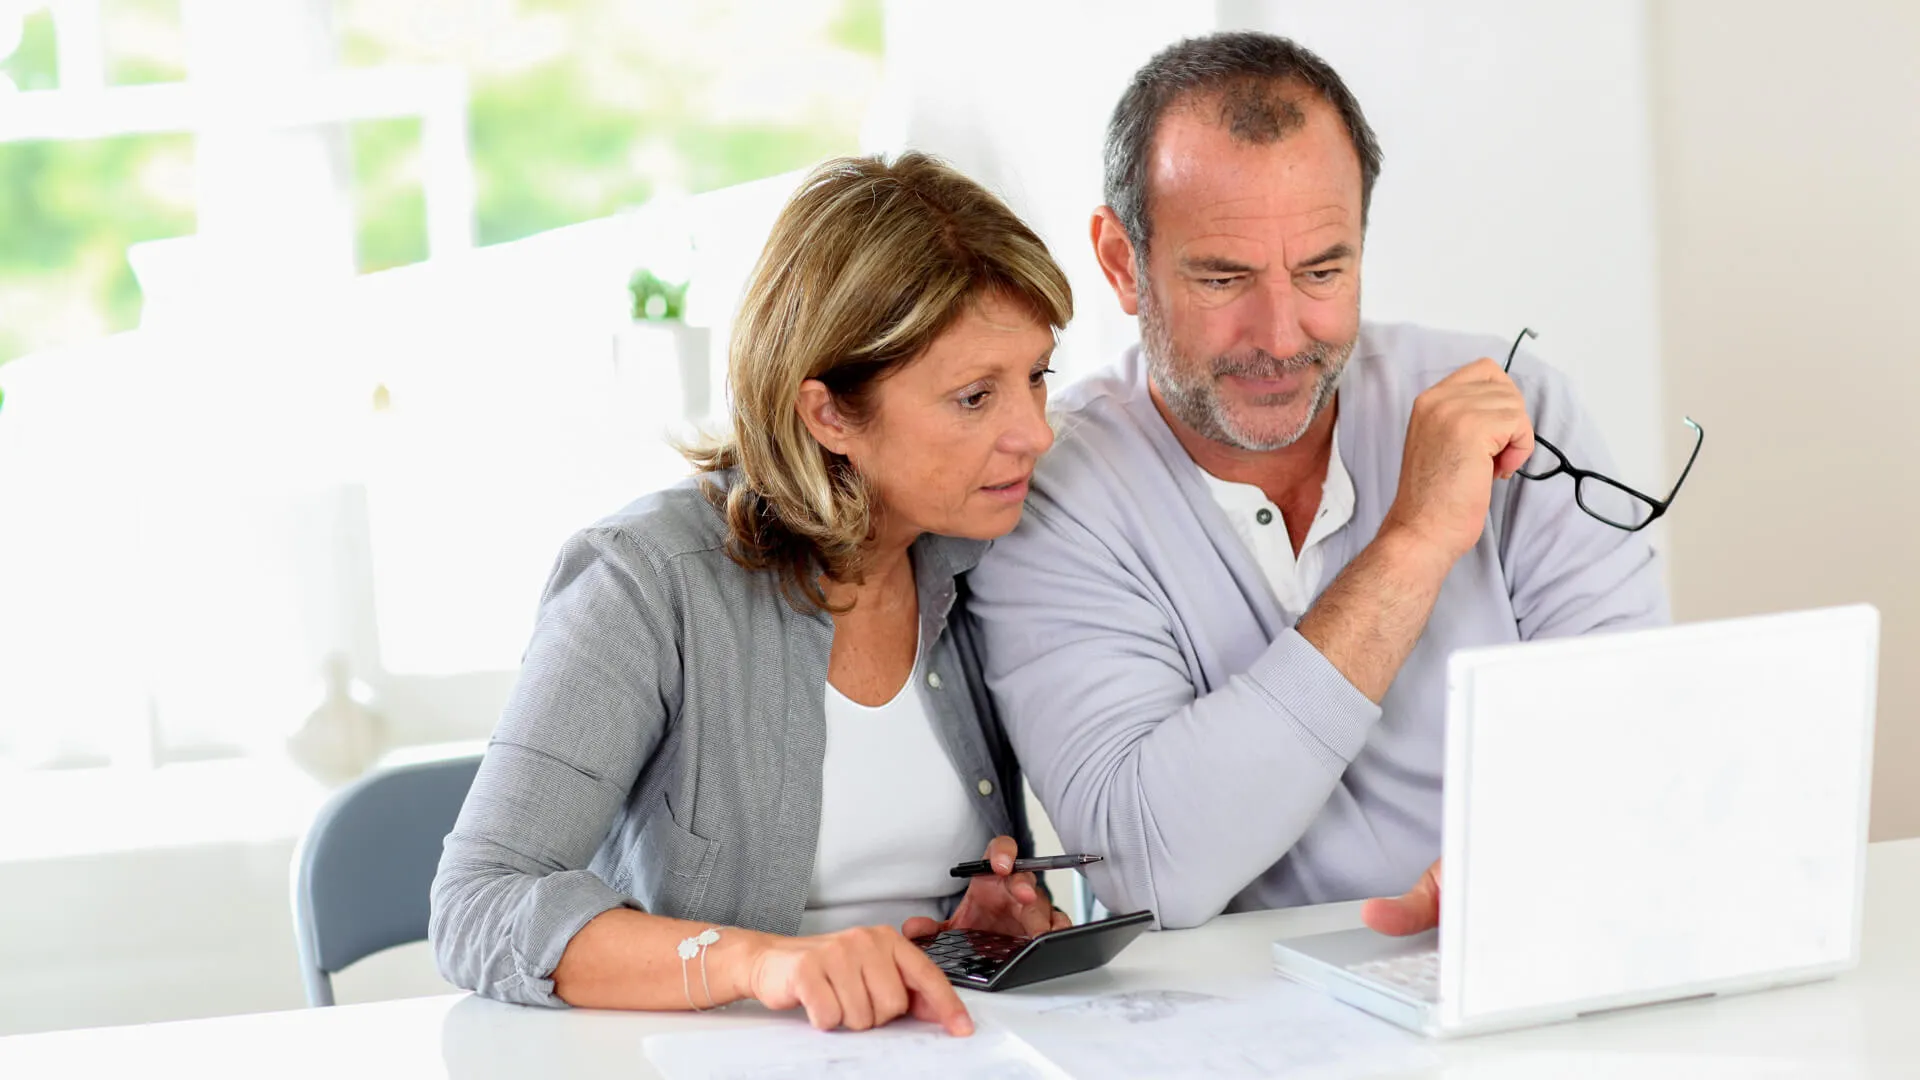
918 927
1417 911
1485 369
1061 920
1399 916
1515 455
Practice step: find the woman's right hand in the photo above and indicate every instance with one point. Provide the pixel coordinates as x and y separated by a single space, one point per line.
856 979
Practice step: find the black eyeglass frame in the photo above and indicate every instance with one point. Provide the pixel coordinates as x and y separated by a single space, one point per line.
1580 476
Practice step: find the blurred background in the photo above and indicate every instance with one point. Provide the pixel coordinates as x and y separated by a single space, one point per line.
323 322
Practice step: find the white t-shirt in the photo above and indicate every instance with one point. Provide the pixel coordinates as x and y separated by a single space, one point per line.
1259 524
894 816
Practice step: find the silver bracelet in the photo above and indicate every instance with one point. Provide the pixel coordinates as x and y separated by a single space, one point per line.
697 945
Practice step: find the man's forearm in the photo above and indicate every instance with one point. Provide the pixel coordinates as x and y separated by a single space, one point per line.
1368 620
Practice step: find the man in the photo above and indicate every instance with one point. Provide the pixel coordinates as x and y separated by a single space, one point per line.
1219 635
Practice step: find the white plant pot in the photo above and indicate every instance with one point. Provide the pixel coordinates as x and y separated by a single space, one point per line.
665 369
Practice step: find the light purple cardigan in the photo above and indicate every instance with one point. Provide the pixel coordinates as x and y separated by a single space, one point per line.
1166 711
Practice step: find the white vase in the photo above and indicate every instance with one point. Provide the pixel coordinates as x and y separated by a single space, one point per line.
343 735
664 370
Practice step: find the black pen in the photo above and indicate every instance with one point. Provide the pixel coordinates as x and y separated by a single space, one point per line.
1024 866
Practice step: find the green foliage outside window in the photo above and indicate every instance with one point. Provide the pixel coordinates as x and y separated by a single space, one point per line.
577 109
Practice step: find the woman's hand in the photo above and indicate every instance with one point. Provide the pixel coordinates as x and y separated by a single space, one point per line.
1003 902
856 979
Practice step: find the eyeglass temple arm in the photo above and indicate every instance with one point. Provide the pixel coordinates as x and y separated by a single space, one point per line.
1525 333
1700 439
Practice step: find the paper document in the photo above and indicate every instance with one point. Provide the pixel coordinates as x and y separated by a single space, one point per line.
1252 1029
902 1050
1227 1028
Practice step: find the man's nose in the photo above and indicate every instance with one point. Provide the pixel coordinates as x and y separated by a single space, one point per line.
1276 327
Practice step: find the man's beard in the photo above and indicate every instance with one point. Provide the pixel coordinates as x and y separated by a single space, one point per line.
1192 394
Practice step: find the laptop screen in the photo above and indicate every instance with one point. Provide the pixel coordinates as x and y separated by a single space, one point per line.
1631 815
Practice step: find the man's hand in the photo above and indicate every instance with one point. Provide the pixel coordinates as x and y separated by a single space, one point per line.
1002 902
1468 429
1410 913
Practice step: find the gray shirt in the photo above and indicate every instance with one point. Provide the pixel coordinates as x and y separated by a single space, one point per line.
662 748
1168 714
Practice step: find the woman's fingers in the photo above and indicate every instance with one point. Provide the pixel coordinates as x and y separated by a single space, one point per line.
817 995
1035 914
845 971
1001 851
933 997
918 927
886 989
1023 888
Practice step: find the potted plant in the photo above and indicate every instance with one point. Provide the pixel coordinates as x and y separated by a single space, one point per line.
660 352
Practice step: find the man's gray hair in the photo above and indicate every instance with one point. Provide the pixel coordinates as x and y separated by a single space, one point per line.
1247 72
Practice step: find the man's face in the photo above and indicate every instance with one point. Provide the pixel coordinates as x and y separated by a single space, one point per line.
1250 298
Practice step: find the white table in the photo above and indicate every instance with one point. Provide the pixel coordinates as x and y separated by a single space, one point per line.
1866 1023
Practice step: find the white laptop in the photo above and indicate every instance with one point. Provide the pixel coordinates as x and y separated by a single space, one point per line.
1632 819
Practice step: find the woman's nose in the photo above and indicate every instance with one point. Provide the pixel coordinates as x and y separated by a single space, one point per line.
1030 432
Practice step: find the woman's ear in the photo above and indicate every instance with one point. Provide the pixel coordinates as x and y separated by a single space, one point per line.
822 417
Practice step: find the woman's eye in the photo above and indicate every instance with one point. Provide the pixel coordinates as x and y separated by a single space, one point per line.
974 400
1040 376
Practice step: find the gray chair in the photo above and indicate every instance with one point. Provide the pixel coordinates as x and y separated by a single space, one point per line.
363 870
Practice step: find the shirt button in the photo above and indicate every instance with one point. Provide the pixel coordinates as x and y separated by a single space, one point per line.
985 786
1264 516
933 679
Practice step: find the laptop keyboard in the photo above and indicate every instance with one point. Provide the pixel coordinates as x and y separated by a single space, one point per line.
1416 975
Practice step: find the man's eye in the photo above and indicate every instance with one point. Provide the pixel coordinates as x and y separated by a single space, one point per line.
1218 283
1322 277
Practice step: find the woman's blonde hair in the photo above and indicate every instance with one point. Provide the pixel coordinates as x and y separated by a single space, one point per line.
868 263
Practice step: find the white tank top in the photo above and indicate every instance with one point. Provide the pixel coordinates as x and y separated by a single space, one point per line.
894 816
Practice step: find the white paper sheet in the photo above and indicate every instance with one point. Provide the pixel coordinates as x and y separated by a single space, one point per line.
902 1050
1257 1028
1231 1027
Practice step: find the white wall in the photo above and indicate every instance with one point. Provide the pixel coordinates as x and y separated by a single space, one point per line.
1790 240
166 934
1518 186
1016 94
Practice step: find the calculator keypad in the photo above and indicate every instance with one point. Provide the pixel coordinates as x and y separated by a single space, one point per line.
973 955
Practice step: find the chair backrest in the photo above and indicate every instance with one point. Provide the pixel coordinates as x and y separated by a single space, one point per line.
364 869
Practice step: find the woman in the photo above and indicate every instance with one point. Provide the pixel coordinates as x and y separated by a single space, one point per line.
750 706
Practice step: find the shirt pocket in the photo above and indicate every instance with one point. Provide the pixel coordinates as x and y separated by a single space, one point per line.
672 866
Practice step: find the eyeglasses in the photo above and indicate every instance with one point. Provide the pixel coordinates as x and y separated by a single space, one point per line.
1602 497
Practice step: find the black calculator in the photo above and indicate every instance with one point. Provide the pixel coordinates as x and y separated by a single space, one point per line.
988 961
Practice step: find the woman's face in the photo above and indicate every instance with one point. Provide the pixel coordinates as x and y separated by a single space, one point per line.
953 434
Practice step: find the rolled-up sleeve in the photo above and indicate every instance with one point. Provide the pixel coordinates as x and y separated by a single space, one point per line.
598 682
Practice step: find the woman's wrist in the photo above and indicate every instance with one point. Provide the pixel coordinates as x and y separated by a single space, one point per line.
736 955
